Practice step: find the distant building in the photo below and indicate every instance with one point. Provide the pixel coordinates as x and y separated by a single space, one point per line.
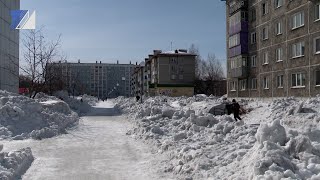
273 48
9 48
97 79
167 73
138 80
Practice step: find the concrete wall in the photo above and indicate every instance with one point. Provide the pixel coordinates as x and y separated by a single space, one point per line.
9 48
306 64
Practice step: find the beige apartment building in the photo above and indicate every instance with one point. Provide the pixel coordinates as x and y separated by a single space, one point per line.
167 73
273 48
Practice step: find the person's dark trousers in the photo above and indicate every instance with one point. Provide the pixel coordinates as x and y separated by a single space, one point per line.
236 116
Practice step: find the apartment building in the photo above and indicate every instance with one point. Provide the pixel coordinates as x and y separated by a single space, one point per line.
138 80
273 48
97 79
169 73
9 48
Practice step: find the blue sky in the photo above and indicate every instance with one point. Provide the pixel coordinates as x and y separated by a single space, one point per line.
110 30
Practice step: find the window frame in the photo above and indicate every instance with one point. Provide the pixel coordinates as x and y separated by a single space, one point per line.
279 54
317 16
265 33
277 4
254 59
265 83
279 29
280 81
316 78
233 86
265 58
265 8
253 34
254 81
315 45
302 80
298 50
294 20
243 85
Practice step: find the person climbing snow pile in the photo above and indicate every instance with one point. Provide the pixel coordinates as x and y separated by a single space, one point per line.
236 110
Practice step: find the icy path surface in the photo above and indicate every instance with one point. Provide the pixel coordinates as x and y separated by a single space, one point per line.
97 149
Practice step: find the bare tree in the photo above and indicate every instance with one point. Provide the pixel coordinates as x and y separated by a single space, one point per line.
38 54
198 64
212 68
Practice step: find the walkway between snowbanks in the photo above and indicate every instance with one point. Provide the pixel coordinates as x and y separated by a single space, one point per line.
97 149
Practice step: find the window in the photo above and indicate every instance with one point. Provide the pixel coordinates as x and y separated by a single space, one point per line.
279 28
253 14
317 11
264 33
265 83
236 62
233 86
298 50
279 54
243 84
265 58
173 77
298 20
278 3
317 78
254 83
264 8
180 76
253 61
298 80
253 38
280 81
234 40
317 45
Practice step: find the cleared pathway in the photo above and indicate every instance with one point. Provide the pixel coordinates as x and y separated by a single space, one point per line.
97 149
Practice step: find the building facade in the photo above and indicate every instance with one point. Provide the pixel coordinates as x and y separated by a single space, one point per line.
9 48
97 79
166 73
273 48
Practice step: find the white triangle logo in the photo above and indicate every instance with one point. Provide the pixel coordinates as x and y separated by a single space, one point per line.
31 22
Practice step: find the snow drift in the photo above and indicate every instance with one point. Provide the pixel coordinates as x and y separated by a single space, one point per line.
14 164
22 117
277 140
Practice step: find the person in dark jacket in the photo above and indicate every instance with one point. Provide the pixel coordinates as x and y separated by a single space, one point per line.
236 110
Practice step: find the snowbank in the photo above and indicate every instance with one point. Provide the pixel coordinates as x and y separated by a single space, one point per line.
22 117
278 139
14 164
75 103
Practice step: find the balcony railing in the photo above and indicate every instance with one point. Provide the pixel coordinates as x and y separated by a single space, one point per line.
240 27
240 72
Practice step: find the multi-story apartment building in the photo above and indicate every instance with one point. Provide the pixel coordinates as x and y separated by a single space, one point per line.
168 73
9 48
98 79
138 80
273 48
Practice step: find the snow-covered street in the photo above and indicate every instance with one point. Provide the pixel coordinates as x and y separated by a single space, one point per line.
97 149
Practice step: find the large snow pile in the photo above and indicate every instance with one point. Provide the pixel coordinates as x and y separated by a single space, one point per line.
202 146
14 164
75 103
22 117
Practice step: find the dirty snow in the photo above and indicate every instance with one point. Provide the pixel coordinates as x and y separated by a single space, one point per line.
278 139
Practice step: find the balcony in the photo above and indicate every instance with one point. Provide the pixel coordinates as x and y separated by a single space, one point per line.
240 27
240 72
238 50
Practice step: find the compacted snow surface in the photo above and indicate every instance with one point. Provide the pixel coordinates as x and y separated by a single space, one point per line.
97 149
